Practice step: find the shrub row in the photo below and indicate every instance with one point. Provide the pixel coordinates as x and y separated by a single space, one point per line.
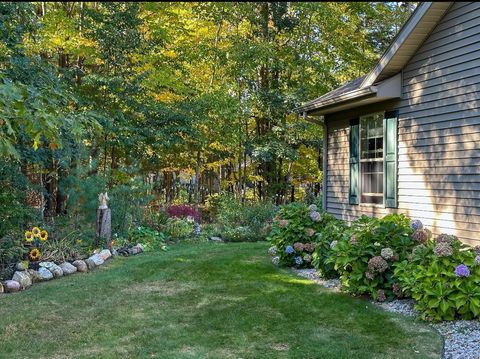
383 258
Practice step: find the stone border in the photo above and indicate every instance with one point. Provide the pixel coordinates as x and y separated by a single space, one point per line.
23 278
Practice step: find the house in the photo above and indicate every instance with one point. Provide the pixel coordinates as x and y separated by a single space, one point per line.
406 136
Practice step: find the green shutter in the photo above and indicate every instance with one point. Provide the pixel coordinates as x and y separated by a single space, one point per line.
390 125
354 190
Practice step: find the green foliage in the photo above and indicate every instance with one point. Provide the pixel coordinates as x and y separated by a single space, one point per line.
11 251
150 238
334 230
430 279
178 229
237 222
362 244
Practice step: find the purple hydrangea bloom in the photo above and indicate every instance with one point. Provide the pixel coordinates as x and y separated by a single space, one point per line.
298 260
289 249
462 271
416 224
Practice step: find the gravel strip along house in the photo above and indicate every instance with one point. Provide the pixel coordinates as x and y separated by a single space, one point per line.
406 136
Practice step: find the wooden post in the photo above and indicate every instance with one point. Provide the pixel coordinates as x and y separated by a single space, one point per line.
104 227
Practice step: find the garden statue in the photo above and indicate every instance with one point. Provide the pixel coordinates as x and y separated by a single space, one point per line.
104 221
103 198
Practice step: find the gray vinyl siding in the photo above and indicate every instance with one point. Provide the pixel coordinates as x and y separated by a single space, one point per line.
438 134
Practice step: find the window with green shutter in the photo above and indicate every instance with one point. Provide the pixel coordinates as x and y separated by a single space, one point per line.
373 159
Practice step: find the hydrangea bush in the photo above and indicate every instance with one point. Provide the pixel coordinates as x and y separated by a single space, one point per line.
366 253
443 276
293 234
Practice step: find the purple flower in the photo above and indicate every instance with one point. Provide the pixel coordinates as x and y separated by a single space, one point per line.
289 249
462 271
298 260
416 224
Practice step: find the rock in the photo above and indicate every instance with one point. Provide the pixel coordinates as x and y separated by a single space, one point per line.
105 254
141 247
44 274
90 263
23 278
34 275
133 250
52 267
114 253
2 290
21 266
67 268
12 286
80 265
216 239
97 259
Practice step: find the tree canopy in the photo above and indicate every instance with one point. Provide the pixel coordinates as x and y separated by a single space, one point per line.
199 93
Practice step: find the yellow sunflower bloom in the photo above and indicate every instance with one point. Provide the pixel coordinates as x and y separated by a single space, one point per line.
36 231
43 235
28 236
34 254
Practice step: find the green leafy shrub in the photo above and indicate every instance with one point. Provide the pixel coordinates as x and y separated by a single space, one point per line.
150 238
443 276
236 222
366 255
333 232
11 251
178 228
293 234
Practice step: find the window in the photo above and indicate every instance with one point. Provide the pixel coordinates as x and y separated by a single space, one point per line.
371 158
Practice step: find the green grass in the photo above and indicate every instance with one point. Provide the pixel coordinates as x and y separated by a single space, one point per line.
201 301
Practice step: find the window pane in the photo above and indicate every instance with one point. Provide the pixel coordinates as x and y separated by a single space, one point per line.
371 155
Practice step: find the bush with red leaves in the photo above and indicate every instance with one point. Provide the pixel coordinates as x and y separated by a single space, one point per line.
183 211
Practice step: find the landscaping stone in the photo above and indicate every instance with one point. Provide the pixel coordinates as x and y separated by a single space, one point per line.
216 239
67 268
114 253
12 286
34 275
90 263
52 267
80 265
141 247
23 278
133 250
97 259
2 289
105 254
44 274
20 266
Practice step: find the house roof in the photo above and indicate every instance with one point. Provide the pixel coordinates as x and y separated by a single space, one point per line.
403 47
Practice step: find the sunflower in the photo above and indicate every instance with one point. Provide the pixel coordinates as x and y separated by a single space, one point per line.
36 231
34 254
43 235
28 236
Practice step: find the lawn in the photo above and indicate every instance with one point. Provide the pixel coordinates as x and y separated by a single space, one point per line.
201 301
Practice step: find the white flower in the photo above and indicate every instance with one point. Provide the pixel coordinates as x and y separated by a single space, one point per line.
333 244
376 244
313 207
315 216
276 260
